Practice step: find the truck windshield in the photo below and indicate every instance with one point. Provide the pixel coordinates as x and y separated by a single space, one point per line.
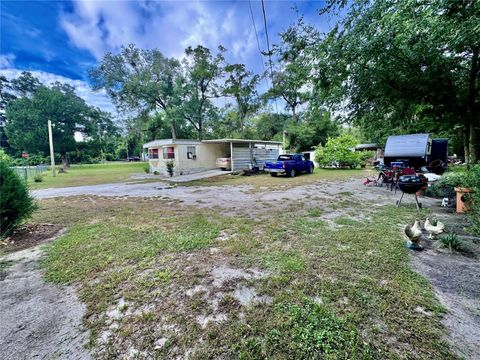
285 157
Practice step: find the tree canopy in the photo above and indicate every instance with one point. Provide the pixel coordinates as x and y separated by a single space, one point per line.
405 66
30 105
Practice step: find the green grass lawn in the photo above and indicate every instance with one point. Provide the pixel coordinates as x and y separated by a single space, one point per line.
91 174
339 288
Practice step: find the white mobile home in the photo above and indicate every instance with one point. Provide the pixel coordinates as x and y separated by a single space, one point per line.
193 156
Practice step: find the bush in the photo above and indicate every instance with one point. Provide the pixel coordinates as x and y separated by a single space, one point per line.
16 204
366 156
4 156
146 168
450 241
461 177
32 160
38 178
170 166
339 152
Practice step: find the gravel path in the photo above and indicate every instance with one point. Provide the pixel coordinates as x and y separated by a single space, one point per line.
38 320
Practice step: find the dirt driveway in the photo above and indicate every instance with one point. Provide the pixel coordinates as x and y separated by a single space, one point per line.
38 320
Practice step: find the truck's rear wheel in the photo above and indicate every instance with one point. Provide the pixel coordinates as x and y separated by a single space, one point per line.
273 174
310 169
292 172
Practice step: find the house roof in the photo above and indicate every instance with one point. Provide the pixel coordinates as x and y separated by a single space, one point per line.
242 141
164 142
366 146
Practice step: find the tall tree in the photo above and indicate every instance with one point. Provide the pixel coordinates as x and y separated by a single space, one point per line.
5 97
26 119
140 79
103 132
290 79
403 66
241 84
202 70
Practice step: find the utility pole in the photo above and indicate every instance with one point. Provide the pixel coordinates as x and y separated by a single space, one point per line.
50 140
284 144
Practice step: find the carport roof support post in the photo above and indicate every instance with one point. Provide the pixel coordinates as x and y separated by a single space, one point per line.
231 156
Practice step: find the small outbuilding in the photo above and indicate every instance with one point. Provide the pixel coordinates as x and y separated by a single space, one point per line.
193 156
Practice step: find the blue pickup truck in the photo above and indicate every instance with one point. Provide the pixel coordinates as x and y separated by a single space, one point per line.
289 164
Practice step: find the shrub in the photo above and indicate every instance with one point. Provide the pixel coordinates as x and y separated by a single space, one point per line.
170 166
461 177
146 168
339 152
4 156
156 172
16 204
38 178
450 241
366 156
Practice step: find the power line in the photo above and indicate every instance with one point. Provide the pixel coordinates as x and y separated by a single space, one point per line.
268 47
268 40
256 32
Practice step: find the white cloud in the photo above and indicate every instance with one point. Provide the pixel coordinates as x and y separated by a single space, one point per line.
95 98
101 26
6 61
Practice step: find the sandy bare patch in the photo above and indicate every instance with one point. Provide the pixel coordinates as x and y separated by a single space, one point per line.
38 320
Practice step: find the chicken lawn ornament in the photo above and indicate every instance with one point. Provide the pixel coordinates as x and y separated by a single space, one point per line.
414 234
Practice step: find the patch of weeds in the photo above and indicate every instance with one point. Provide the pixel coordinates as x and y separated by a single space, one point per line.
451 242
284 261
346 221
4 265
310 330
315 212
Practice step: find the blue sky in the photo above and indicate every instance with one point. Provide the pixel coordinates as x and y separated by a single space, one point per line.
63 40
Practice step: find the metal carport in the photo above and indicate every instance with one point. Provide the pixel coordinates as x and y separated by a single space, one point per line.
247 153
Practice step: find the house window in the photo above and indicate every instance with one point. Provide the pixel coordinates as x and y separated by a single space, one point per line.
153 153
169 152
191 153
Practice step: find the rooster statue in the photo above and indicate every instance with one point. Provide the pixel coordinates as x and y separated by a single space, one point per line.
434 230
414 233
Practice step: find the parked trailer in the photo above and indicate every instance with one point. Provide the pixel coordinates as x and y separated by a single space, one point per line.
415 150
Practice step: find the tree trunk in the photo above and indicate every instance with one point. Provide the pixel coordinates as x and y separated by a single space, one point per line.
65 162
294 114
473 118
200 130
466 142
474 145
174 131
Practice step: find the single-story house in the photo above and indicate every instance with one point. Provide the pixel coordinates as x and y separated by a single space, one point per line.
193 156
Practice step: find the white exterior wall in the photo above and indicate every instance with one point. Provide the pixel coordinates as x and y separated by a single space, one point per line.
160 164
206 156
